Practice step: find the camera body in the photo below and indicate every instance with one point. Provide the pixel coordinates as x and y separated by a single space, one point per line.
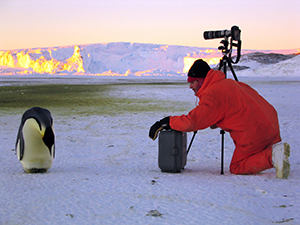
234 33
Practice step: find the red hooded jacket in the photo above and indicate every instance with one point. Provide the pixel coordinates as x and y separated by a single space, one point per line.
236 108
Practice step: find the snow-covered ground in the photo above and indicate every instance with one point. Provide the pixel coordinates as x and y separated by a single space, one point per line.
106 170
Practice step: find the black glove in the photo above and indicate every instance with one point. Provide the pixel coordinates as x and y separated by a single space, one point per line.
158 126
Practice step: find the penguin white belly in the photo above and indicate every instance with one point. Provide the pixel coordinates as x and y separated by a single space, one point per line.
37 157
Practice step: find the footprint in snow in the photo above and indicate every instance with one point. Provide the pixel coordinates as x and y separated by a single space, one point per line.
154 213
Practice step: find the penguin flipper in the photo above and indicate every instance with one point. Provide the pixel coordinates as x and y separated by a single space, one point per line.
20 144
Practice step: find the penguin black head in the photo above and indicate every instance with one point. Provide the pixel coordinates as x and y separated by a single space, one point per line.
49 138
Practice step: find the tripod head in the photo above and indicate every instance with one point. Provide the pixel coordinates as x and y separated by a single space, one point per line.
235 41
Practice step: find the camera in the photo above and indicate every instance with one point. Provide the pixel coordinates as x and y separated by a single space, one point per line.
232 38
234 33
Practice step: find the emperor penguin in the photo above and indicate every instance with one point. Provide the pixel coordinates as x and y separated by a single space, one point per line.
35 145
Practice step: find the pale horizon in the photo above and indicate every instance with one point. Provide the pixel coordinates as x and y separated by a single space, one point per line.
264 24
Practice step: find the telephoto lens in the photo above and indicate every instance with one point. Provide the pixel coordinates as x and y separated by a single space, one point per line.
216 34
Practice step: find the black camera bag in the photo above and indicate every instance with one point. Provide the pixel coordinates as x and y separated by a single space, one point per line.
172 153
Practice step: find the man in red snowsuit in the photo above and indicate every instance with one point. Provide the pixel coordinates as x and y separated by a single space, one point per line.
238 109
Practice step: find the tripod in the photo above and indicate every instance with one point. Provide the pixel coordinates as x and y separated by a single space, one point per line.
226 60
223 63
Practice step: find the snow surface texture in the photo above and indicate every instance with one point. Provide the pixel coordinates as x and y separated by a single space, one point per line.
106 170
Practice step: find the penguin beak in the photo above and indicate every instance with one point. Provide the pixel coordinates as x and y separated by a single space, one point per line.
43 132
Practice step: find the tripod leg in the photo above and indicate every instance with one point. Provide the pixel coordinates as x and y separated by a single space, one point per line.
225 66
221 63
232 71
187 152
222 132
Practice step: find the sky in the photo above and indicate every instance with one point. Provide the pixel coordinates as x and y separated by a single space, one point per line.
264 24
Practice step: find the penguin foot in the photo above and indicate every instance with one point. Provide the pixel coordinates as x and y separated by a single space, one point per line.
36 170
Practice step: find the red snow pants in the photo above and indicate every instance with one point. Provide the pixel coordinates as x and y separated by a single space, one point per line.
252 160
